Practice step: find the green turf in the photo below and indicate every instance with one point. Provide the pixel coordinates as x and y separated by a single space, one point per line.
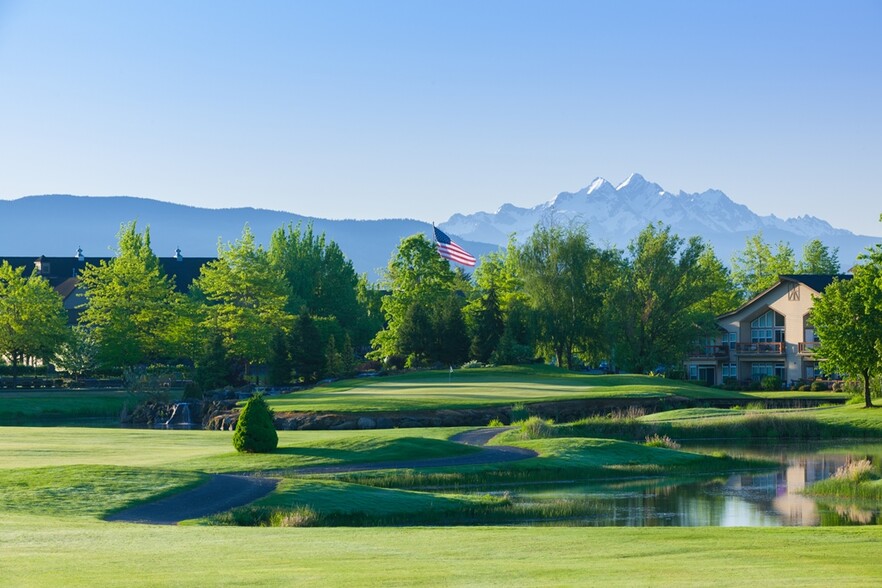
37 551
212 451
92 491
472 388
33 406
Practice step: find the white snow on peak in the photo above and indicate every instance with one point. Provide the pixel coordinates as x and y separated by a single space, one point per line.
616 214
597 184
633 181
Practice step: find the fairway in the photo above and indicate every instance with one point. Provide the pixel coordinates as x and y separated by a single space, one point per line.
502 386
38 551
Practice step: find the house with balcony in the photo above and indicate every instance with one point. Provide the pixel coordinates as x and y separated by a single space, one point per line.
769 335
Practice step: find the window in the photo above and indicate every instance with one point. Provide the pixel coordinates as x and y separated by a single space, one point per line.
760 370
730 339
693 372
730 370
767 328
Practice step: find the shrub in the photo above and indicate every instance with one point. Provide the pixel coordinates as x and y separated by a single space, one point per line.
754 406
472 364
818 387
770 383
657 440
495 423
536 428
369 366
255 431
519 412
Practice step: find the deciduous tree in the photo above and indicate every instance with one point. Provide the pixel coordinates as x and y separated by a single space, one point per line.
848 321
244 298
32 317
756 268
662 304
565 278
132 309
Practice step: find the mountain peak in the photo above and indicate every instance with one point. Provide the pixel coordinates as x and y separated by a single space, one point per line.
634 181
598 184
617 214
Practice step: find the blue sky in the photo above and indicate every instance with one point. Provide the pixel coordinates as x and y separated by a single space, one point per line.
422 109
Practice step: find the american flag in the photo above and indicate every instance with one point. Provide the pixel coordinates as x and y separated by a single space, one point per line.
450 250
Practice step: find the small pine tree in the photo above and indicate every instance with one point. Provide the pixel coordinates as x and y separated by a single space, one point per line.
279 361
255 431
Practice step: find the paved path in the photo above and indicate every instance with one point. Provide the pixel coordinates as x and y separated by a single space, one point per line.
223 492
219 494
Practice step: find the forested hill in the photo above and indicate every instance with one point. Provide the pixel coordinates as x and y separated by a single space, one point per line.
56 225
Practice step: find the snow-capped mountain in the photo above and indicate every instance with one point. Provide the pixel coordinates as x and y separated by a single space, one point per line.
615 214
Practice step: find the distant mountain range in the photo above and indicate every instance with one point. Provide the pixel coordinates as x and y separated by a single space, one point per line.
616 214
56 225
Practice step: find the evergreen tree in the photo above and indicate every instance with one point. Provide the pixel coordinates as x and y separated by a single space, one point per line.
307 351
279 361
255 431
212 368
488 326
817 258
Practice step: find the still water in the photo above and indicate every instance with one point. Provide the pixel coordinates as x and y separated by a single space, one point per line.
766 499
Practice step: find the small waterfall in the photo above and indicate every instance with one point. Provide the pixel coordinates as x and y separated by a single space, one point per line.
180 415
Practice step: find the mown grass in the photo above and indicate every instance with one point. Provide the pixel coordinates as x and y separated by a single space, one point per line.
474 388
41 551
90 491
212 451
39 406
562 460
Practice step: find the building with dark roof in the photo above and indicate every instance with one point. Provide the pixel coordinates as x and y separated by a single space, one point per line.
62 273
769 335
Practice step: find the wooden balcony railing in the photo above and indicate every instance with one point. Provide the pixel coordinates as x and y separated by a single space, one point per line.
759 348
808 347
710 351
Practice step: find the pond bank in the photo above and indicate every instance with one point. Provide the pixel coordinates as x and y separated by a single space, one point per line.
559 411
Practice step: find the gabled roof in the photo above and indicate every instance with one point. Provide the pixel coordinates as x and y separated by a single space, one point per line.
817 282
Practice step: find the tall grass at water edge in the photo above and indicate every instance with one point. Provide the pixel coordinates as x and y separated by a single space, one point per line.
747 425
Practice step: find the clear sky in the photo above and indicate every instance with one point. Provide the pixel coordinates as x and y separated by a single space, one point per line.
373 109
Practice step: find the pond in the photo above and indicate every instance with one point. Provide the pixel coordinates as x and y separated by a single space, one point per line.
765 499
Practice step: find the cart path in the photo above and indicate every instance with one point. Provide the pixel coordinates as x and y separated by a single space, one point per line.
223 492
220 493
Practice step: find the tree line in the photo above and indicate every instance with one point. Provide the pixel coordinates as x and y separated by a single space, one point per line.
298 310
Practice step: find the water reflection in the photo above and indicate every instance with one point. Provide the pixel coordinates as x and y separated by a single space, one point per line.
767 499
